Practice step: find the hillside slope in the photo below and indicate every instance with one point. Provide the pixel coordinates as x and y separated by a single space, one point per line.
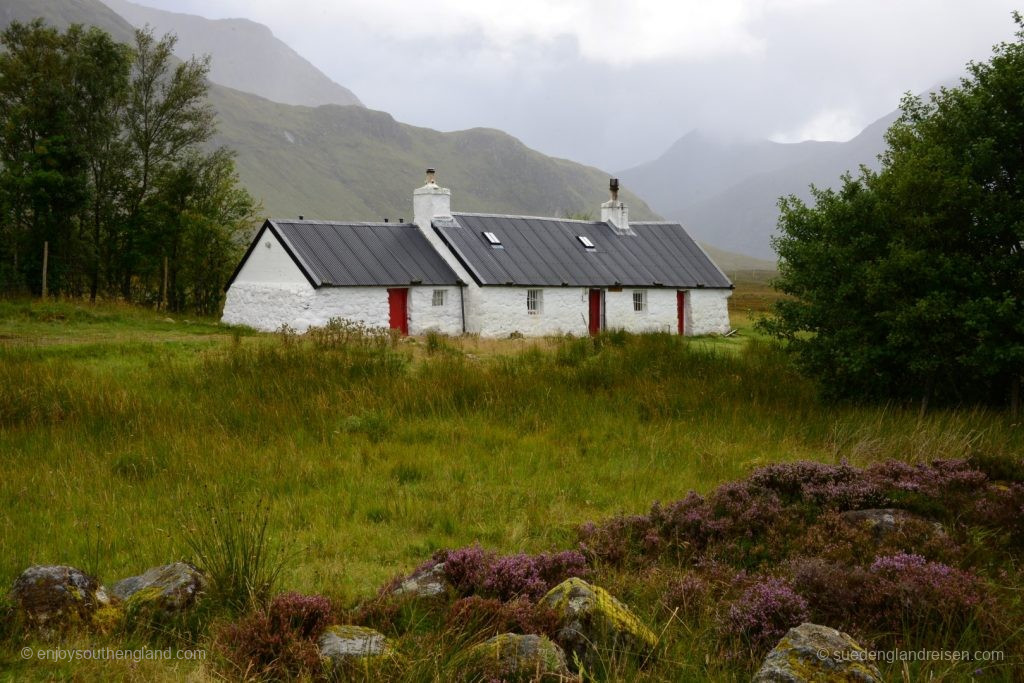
357 163
353 163
245 55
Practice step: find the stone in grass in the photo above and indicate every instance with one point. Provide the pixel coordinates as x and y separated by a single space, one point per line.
56 597
342 644
425 583
882 522
512 658
594 627
810 653
169 589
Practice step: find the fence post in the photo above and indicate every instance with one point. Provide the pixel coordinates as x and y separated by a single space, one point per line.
46 263
163 296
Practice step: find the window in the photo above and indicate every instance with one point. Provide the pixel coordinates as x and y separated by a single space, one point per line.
534 301
640 300
439 297
585 241
492 239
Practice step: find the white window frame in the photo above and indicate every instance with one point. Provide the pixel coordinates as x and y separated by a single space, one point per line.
639 300
534 301
492 239
439 297
586 242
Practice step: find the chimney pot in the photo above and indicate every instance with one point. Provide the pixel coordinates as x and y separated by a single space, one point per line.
613 186
430 175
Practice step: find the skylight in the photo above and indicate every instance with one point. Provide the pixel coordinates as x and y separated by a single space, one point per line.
585 241
493 239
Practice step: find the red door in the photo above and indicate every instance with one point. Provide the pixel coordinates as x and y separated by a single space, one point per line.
398 310
681 311
595 311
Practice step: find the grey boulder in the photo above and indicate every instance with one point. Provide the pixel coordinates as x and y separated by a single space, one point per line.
171 588
810 653
52 596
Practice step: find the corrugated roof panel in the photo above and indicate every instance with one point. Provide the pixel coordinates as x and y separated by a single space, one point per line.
365 254
546 252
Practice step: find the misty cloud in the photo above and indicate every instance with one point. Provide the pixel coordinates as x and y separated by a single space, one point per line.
615 83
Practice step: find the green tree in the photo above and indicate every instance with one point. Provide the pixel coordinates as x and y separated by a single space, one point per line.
909 283
43 178
167 118
104 155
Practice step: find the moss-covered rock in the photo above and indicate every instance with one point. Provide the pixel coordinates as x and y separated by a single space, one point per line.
594 627
511 658
810 653
55 597
169 589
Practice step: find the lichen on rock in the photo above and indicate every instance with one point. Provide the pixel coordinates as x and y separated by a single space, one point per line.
594 627
168 589
57 596
512 658
810 653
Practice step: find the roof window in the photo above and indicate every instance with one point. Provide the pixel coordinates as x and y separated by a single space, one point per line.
492 239
585 241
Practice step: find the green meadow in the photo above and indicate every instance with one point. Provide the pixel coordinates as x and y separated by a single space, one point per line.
121 427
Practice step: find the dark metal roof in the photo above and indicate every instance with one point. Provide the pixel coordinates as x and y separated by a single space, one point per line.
547 252
359 254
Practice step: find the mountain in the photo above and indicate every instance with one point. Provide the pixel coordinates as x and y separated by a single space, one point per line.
244 55
726 193
349 162
62 13
360 164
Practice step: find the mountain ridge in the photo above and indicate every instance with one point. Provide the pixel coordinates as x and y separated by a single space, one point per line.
245 55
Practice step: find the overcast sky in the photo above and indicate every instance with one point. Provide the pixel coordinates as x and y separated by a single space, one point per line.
615 83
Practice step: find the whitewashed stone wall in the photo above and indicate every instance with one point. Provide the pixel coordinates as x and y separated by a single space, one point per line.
268 307
424 316
661 314
502 311
707 311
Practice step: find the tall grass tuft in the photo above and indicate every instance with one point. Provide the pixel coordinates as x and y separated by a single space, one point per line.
229 541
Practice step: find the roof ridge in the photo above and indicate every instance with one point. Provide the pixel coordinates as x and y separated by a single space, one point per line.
534 218
308 221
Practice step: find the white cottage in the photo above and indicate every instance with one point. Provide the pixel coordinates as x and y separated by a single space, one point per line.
487 274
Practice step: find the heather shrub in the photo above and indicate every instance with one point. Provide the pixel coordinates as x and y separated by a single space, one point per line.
912 589
491 616
764 612
688 595
1002 507
475 571
999 467
278 641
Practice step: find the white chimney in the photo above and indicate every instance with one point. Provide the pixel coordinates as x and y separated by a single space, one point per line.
614 212
430 202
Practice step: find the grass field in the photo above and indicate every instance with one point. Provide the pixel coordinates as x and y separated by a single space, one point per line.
118 426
